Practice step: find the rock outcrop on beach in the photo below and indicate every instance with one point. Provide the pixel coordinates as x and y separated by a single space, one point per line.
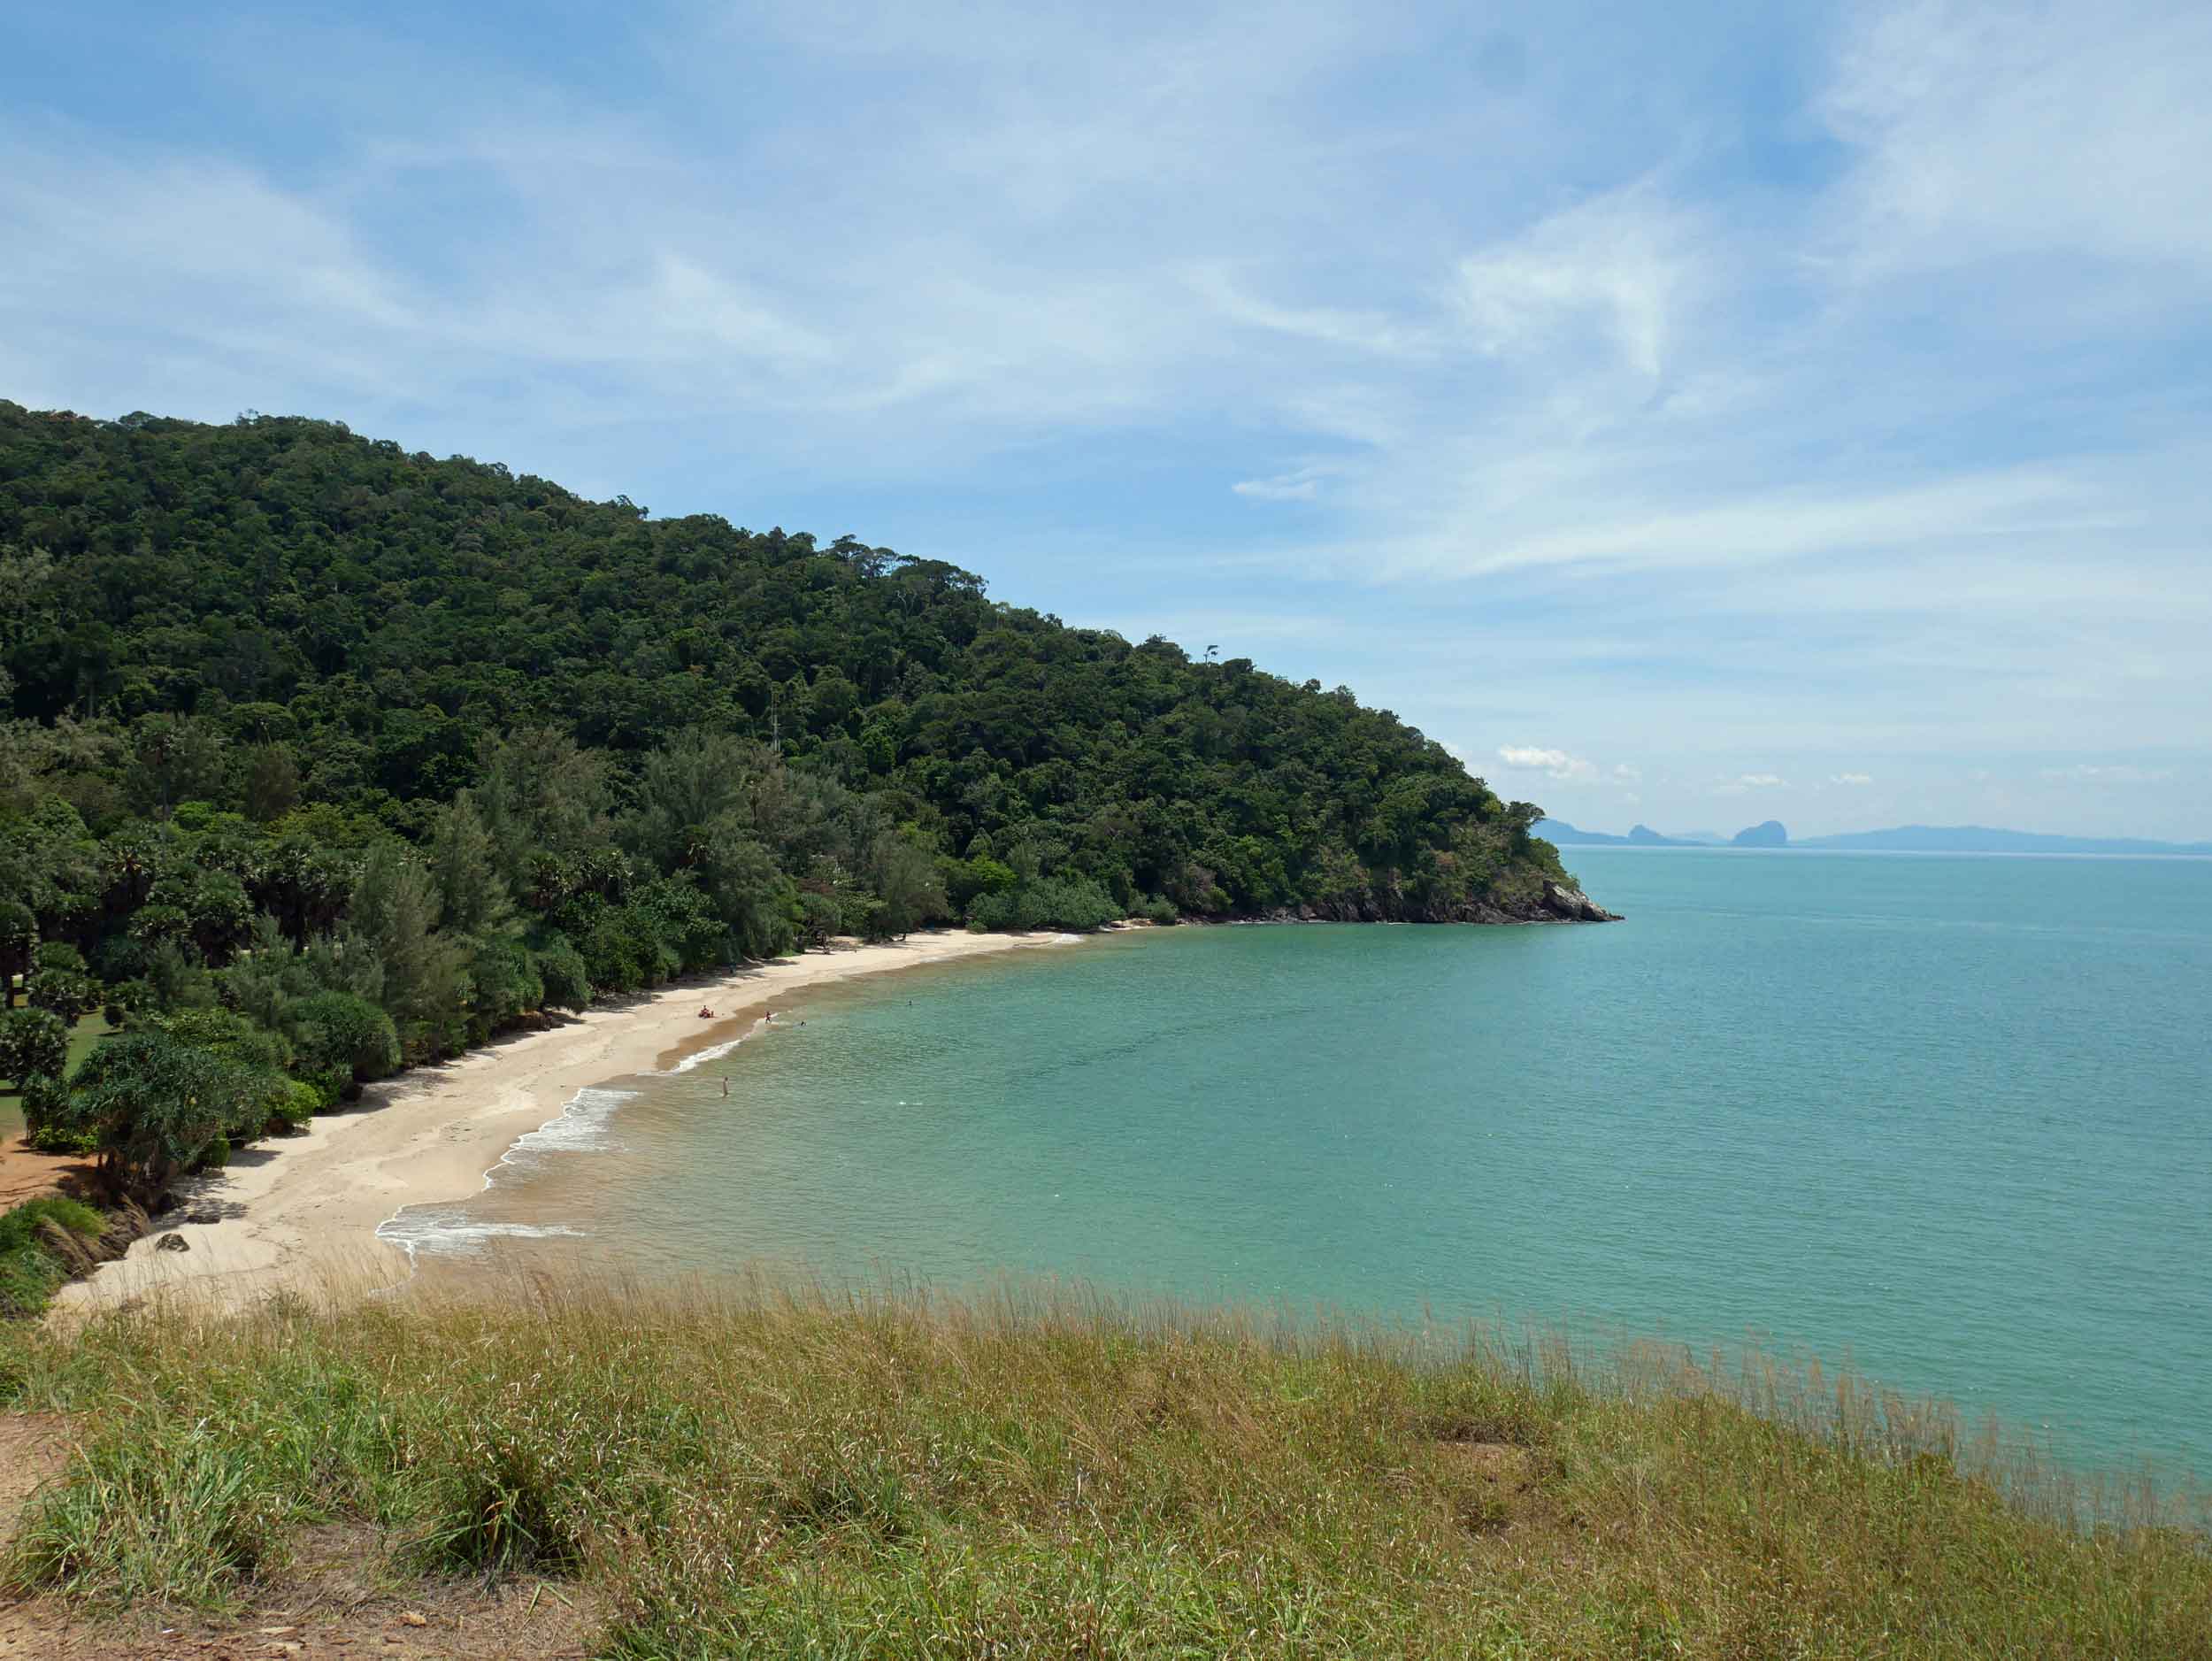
127 1222
1559 903
1570 905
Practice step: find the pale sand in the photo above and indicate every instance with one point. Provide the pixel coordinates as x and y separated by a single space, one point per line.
301 1213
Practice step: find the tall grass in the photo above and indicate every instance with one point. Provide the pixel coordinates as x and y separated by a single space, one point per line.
740 1471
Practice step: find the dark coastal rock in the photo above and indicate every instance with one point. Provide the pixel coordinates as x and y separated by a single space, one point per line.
1572 906
1557 903
203 1214
173 1242
127 1222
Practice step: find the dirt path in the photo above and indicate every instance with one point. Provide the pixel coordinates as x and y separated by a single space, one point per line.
26 1173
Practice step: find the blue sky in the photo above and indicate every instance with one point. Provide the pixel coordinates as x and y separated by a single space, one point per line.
1691 414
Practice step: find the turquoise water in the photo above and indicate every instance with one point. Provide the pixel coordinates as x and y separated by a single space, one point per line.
1950 1119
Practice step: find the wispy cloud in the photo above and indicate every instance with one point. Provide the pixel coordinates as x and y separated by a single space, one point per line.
1552 764
1752 393
1745 782
1619 267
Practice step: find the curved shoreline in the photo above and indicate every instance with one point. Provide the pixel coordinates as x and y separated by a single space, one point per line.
306 1212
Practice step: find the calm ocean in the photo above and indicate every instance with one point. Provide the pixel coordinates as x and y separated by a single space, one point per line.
1949 1119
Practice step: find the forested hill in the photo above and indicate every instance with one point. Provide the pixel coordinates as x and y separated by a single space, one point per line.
243 658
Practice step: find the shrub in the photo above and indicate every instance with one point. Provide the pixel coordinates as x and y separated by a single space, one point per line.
561 971
119 958
45 1102
229 1034
1047 902
507 982
58 954
334 1029
154 924
156 1106
63 992
300 1102
33 1040
617 958
331 1085
125 998
64 1139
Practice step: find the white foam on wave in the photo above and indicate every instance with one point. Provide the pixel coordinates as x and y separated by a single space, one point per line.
580 1127
712 1052
445 1232
1067 940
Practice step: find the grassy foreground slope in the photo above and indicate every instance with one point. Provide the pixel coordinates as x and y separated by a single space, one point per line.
741 1474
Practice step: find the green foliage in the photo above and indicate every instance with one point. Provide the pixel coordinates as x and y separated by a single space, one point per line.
561 971
301 1101
505 980
229 1034
336 1031
18 1225
156 1106
320 743
29 1274
1073 903
308 622
123 997
33 1040
46 1116
58 954
176 978
62 993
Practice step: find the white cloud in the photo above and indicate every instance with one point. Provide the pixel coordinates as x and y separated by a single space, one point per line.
1851 778
1554 764
1985 131
1577 425
1745 782
1617 263
1303 485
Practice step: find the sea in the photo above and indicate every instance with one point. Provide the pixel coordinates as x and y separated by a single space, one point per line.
1946 1121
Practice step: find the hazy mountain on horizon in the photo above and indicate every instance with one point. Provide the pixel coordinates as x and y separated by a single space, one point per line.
1982 839
1916 839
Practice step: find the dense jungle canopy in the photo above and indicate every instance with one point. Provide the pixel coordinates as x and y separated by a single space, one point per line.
462 744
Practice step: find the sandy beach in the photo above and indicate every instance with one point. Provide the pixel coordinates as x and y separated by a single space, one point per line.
300 1214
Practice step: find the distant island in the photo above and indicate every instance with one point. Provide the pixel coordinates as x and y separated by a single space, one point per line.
1905 839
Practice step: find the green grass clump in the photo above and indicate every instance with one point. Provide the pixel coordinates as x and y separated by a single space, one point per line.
741 1473
30 1275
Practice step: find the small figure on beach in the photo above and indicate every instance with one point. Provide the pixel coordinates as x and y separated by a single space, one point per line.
726 1086
706 1014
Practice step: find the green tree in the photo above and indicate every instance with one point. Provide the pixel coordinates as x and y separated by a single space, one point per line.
473 895
33 1040
155 1108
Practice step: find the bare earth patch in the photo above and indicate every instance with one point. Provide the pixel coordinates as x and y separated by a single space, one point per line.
33 1447
332 1603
